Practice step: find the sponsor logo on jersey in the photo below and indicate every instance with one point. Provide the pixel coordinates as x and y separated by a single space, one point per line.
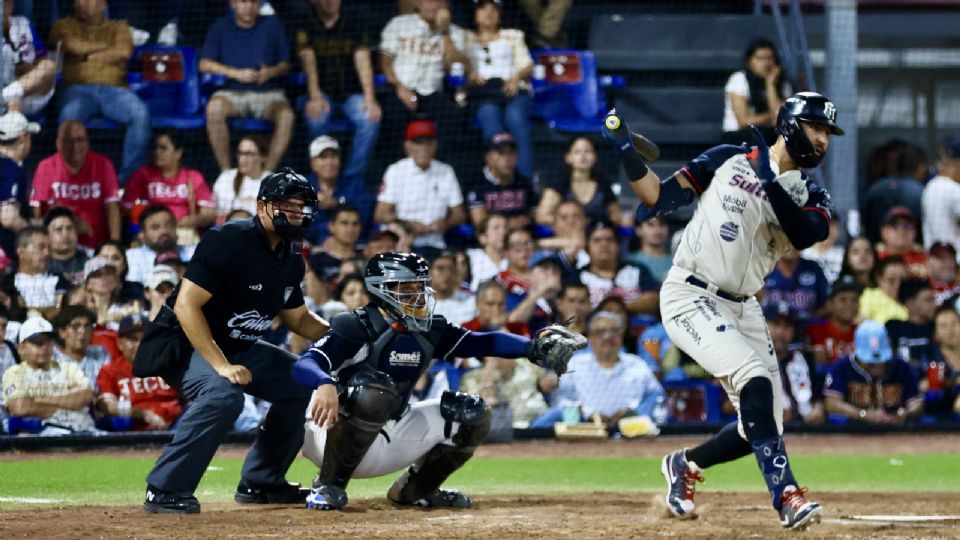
807 278
729 231
733 204
404 359
256 287
251 321
753 188
688 326
286 294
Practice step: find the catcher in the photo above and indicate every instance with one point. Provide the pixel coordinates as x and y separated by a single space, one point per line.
359 422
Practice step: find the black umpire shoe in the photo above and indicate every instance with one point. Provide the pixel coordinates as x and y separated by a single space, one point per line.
161 502
286 493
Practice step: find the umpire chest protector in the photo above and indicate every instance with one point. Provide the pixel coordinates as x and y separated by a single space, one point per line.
388 347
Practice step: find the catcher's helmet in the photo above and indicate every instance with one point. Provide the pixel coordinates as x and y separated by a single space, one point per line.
284 185
806 107
399 283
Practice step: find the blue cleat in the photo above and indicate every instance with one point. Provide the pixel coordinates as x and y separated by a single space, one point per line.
681 484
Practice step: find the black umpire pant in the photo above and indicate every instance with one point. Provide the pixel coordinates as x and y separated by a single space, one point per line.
216 405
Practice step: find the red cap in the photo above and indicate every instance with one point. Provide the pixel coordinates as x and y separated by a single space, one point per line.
421 129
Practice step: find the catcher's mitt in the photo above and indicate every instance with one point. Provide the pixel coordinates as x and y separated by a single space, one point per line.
553 346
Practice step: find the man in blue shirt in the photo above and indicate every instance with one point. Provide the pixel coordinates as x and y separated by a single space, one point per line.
252 53
15 143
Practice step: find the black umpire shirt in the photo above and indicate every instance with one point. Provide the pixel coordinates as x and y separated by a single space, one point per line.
250 282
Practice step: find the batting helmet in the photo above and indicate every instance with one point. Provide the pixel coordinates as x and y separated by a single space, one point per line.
806 107
385 277
284 185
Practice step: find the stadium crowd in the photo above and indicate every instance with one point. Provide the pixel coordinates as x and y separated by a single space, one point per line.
866 326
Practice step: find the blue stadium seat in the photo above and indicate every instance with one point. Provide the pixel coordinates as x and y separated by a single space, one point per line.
570 97
168 84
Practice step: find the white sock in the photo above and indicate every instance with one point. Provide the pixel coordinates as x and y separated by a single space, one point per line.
12 91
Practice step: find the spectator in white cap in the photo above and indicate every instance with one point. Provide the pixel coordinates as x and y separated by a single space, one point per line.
39 386
160 283
15 142
25 57
40 289
334 189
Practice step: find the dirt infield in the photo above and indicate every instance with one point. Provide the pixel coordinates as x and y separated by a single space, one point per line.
598 515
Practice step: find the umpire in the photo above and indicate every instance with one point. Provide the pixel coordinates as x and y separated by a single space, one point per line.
242 276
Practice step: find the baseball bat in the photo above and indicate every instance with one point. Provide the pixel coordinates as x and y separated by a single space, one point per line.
647 149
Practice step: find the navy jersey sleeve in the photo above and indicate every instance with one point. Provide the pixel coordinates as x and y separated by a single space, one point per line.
804 225
451 335
210 261
324 357
701 169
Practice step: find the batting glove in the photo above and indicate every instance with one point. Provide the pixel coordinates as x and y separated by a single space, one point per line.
616 130
760 162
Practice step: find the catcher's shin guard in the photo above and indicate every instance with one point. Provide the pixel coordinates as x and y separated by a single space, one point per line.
371 400
422 481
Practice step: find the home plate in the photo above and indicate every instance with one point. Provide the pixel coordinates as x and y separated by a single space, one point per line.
904 519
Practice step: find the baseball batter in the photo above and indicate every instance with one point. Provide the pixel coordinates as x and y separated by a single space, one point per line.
754 205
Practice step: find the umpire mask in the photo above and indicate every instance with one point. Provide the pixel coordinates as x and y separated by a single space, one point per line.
805 107
399 283
291 203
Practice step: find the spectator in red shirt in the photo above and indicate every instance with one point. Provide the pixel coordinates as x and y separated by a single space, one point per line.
898 236
833 338
155 405
167 182
81 180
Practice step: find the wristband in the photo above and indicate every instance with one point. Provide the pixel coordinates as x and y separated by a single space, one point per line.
633 165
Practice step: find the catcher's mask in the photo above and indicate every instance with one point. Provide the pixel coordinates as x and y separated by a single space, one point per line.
805 107
291 203
399 283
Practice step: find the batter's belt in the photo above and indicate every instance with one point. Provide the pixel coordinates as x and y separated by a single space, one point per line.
696 282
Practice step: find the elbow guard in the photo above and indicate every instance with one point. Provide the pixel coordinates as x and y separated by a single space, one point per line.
673 196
